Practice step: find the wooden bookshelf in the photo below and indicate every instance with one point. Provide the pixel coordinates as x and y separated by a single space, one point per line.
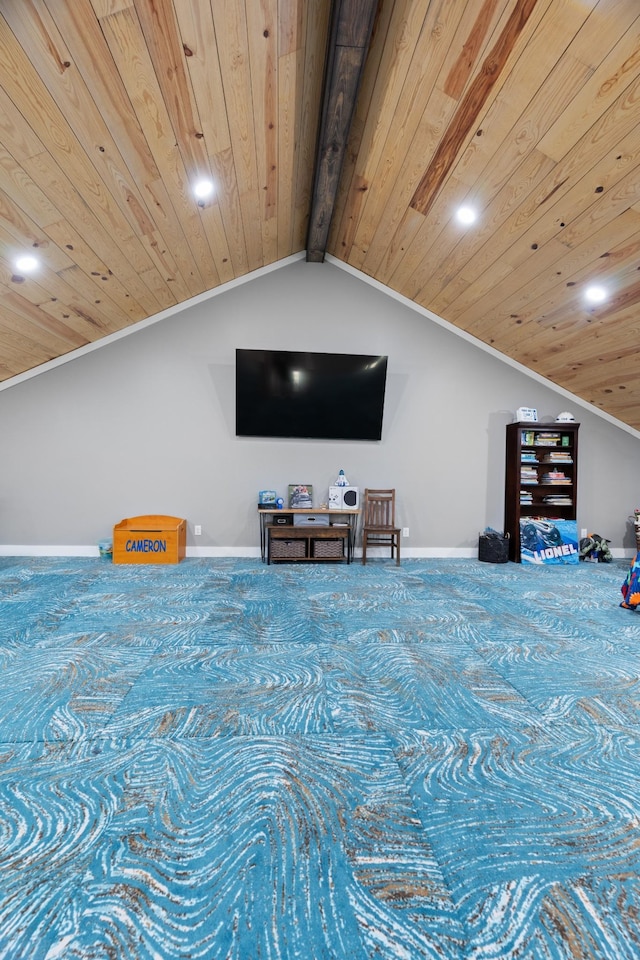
541 475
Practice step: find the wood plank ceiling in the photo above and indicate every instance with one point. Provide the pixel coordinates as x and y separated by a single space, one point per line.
526 110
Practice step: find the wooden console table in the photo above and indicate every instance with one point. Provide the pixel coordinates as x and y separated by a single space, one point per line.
342 527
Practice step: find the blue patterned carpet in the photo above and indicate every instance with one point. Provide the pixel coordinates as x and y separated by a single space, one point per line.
223 759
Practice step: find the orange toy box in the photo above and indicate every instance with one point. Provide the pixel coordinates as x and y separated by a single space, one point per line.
151 539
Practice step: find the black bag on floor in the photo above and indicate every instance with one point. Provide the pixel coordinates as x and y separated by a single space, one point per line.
493 547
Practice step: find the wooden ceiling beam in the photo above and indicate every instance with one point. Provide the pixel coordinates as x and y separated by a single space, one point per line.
350 33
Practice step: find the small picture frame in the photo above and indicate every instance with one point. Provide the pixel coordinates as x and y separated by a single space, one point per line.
300 496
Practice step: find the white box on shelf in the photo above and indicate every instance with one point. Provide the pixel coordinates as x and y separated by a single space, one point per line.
343 498
526 415
311 520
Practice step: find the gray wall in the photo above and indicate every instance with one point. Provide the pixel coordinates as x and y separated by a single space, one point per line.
145 424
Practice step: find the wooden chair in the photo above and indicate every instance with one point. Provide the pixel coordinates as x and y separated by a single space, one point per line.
379 525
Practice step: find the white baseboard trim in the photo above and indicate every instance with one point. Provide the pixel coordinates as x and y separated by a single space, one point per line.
240 552
413 553
410 553
35 550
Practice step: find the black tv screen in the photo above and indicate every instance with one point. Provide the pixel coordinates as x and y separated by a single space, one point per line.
322 396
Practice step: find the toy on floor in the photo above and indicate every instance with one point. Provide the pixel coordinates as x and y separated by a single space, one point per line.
595 549
631 587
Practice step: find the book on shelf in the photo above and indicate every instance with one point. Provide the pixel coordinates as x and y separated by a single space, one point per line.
561 456
547 439
555 476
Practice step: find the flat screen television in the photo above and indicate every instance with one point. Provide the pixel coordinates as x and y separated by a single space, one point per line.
322 396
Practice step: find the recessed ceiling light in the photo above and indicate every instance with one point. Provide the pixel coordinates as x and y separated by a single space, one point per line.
203 189
27 263
466 215
595 294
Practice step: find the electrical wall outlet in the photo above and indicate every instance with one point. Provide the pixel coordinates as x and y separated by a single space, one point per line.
405 531
583 533
197 530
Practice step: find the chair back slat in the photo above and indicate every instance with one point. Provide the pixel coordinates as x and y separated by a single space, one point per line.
379 508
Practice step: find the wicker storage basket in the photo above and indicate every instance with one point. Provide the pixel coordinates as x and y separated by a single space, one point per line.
493 549
328 549
287 549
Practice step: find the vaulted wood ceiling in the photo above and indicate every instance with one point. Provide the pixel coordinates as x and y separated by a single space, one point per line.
528 110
